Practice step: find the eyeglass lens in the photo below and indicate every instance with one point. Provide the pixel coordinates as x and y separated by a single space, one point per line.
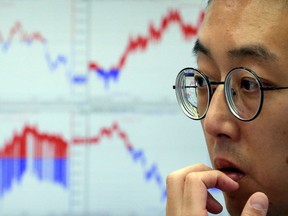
242 92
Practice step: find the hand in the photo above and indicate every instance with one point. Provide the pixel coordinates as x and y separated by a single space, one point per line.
257 205
187 193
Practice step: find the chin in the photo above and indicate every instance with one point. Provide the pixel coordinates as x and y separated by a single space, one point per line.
234 205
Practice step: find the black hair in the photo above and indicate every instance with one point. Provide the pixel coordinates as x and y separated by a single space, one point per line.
209 1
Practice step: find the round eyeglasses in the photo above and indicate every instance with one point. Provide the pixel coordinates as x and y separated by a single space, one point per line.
242 88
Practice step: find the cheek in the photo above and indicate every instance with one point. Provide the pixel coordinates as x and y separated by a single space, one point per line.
266 148
278 132
269 135
273 121
208 139
268 140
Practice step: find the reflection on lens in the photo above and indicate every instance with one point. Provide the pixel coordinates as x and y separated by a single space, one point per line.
193 93
201 93
243 93
190 95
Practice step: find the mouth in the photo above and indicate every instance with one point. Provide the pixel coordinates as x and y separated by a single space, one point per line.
230 169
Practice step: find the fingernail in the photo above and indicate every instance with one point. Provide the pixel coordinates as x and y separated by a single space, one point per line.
259 201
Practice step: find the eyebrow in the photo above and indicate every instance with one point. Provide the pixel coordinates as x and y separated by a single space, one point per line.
199 47
253 50
258 51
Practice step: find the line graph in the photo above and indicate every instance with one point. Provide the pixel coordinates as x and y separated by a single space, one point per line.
18 30
142 42
151 172
84 84
135 44
47 156
47 149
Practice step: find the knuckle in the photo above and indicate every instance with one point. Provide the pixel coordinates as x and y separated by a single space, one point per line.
171 178
200 166
192 177
187 174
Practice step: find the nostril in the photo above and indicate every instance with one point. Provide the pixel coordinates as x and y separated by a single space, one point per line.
221 135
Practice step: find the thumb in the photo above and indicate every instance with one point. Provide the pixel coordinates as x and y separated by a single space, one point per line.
257 205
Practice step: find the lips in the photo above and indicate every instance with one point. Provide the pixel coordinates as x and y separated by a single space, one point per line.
229 168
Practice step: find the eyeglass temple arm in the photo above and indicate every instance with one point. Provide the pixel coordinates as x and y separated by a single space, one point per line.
270 88
174 87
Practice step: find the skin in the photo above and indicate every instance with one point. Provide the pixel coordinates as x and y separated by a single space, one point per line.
252 34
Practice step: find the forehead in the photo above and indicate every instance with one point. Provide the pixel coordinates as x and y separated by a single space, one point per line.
254 17
252 8
230 24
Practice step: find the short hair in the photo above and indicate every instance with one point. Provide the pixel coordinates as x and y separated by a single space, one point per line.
285 1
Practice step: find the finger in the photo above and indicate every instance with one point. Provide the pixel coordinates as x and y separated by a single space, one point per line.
196 196
213 206
257 205
175 187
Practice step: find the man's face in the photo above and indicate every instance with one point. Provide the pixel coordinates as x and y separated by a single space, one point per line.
252 34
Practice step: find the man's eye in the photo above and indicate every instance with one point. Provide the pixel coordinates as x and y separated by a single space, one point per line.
200 81
249 84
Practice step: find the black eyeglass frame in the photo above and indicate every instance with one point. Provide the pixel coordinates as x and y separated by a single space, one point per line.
182 101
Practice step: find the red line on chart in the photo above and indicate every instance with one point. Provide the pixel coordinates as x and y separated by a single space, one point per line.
44 146
134 44
17 29
141 42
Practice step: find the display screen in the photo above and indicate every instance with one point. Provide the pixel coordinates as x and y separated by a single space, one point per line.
90 124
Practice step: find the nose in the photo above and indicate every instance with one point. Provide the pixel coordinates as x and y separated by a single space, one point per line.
219 121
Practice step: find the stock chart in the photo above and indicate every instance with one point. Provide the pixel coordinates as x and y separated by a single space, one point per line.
90 122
